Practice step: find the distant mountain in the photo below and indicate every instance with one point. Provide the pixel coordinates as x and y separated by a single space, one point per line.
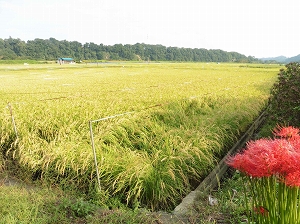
293 59
282 59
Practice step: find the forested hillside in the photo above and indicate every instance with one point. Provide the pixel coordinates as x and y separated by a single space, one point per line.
51 49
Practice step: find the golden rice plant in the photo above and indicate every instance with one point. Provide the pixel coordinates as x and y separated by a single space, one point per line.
185 118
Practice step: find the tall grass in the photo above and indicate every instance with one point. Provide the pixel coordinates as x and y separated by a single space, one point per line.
149 158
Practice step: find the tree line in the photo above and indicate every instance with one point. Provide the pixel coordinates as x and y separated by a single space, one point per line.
52 49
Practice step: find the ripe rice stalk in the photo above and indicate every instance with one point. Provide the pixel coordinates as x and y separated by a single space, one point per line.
149 158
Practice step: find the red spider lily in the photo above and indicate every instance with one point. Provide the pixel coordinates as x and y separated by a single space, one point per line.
266 157
288 159
287 132
258 159
293 179
296 143
273 161
261 210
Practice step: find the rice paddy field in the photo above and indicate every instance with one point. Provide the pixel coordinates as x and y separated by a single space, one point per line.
182 118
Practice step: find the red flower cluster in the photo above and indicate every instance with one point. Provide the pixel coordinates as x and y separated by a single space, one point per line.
267 157
261 210
287 132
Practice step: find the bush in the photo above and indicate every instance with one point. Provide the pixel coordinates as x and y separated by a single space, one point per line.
285 100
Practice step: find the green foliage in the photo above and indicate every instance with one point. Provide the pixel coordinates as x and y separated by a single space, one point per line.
285 98
24 204
51 49
230 202
78 207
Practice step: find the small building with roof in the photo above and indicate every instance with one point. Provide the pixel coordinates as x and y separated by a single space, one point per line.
65 61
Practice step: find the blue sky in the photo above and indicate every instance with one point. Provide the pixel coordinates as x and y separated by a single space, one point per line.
260 28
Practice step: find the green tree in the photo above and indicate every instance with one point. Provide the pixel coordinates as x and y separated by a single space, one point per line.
6 52
51 49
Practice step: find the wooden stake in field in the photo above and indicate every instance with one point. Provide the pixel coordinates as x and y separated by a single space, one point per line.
93 143
13 119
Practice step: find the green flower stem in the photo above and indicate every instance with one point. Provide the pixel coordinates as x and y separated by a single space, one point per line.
246 178
292 211
272 201
271 198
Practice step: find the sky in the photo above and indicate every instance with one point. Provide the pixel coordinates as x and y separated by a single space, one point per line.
259 28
